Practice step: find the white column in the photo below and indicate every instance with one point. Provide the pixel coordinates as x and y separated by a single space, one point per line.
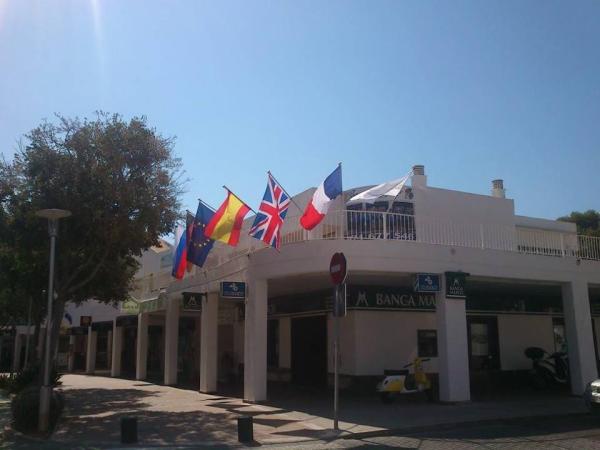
90 356
141 359
17 352
453 357
580 337
171 336
71 360
208 342
255 342
117 348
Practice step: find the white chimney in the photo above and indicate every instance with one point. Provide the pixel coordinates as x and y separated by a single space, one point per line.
419 179
498 189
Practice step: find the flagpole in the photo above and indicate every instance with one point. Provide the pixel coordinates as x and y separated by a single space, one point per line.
233 193
286 192
207 205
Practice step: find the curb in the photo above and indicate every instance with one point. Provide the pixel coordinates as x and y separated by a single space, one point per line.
452 425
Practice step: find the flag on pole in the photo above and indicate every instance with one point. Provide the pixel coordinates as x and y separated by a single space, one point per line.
271 214
226 223
391 188
200 245
182 236
322 198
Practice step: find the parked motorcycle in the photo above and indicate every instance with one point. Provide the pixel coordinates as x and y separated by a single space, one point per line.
399 382
547 369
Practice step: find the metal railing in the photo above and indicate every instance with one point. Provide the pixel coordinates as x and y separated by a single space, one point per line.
369 225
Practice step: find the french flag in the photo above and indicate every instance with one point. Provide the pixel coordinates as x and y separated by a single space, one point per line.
325 194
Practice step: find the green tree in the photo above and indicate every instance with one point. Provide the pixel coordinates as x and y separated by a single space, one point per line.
588 222
121 182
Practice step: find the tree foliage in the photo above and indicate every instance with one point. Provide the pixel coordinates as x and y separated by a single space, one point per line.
118 178
588 222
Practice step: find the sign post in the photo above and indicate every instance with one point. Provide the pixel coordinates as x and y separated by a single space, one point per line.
338 272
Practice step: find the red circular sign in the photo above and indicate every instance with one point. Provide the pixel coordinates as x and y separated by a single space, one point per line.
337 268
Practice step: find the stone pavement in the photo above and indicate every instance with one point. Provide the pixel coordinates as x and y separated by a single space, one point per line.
178 417
554 433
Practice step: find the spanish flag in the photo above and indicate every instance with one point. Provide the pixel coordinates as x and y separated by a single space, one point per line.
226 224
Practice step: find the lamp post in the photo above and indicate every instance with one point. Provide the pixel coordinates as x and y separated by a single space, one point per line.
53 216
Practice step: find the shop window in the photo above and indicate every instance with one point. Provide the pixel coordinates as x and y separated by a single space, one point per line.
273 343
560 334
427 343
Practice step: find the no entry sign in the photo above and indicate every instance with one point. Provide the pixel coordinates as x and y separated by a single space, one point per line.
337 268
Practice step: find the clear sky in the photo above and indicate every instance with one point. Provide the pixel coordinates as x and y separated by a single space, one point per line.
473 90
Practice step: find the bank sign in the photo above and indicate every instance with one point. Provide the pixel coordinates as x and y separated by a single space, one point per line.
372 297
427 282
456 284
233 289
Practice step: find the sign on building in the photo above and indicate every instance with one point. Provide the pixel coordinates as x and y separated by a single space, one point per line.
192 301
427 282
233 289
130 306
456 284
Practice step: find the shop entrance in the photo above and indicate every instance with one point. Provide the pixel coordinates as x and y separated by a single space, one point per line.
309 351
128 353
484 349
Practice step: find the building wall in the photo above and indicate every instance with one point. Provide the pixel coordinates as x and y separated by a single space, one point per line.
517 332
372 341
98 310
388 340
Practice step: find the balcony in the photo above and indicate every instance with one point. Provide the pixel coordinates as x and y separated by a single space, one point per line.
373 225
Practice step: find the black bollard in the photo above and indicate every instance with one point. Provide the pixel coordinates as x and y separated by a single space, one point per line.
129 430
245 430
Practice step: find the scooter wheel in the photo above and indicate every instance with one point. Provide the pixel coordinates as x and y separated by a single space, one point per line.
386 398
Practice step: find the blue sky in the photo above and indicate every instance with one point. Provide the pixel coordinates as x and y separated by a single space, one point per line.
473 90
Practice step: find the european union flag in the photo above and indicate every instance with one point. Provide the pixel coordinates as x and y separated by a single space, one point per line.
200 245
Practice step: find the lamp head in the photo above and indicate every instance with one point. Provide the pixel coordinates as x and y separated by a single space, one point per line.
53 214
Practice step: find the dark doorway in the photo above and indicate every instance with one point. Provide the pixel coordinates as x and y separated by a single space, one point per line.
484 356
484 348
79 353
128 353
102 344
309 351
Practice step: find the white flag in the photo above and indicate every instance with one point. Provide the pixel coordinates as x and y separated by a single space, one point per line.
391 188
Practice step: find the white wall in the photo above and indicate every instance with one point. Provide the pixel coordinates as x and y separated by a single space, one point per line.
388 340
517 332
99 311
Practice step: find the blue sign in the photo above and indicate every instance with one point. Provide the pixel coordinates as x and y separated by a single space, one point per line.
427 282
233 289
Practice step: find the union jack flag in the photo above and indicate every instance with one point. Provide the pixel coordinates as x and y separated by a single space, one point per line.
271 213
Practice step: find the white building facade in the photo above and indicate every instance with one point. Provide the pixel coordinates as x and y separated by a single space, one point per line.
531 282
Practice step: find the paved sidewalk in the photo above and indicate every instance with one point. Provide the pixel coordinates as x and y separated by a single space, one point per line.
173 416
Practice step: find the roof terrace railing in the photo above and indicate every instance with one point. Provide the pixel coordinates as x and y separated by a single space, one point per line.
377 225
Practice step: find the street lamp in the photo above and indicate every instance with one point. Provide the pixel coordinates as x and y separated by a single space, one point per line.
53 216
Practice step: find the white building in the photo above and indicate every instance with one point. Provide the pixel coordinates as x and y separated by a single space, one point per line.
531 282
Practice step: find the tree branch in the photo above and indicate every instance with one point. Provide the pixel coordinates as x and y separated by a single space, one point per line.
90 277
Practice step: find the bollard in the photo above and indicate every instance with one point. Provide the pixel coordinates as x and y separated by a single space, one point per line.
245 430
129 430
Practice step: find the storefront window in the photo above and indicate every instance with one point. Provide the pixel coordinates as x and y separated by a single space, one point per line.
427 343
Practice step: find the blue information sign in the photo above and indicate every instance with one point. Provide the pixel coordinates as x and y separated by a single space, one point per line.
427 282
233 289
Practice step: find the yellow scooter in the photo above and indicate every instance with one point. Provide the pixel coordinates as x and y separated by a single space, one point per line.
397 382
